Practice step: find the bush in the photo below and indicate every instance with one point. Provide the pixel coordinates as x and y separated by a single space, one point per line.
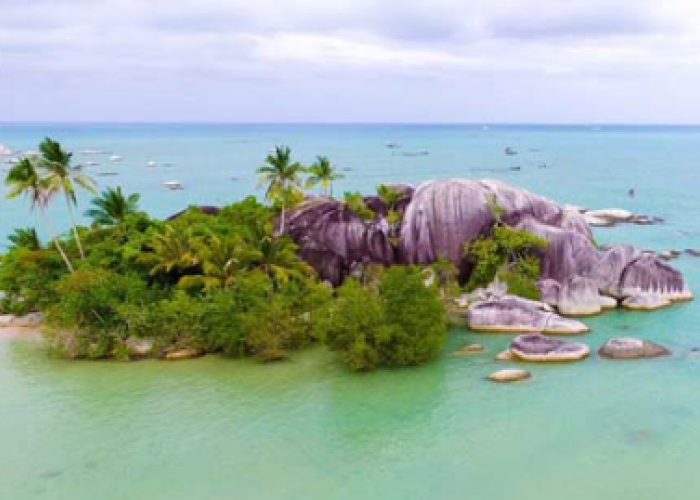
27 277
508 254
400 324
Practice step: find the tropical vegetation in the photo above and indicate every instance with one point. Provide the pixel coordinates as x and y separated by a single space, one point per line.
130 285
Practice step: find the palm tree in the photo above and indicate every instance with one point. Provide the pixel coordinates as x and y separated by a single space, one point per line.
281 176
62 177
24 179
390 196
112 207
277 257
172 249
221 260
323 173
25 238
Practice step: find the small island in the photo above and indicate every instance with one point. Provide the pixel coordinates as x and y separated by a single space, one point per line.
377 278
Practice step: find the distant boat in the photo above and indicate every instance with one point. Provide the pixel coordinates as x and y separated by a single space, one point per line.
107 174
92 152
173 185
91 163
5 151
510 151
151 164
115 158
393 145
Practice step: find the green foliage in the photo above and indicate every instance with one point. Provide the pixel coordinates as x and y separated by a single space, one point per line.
25 238
322 173
112 207
446 276
356 204
27 277
508 254
399 324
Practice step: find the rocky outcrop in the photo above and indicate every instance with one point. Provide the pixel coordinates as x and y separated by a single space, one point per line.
631 348
510 315
139 347
509 375
579 297
184 353
439 217
545 349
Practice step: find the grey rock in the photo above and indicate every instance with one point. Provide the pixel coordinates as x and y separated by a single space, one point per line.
536 347
631 348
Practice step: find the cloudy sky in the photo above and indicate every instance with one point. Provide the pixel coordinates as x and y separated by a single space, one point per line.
623 61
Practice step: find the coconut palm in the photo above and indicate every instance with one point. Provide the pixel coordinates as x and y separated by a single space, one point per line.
221 260
112 207
25 238
282 178
63 178
24 179
277 257
171 250
323 173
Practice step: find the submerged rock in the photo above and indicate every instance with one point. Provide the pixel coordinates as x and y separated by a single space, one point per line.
511 315
506 355
509 375
468 350
186 353
540 348
631 348
645 302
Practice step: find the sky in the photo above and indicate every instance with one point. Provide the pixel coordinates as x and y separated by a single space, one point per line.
466 61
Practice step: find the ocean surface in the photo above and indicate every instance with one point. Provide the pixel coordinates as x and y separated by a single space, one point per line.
216 429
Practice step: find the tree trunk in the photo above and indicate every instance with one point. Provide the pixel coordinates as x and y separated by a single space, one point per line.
282 220
54 238
75 227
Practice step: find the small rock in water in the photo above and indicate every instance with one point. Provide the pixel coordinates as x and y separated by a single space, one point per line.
536 347
509 375
631 348
186 353
692 252
469 349
506 355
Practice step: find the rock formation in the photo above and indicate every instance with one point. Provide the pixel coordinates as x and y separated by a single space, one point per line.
541 348
631 348
439 217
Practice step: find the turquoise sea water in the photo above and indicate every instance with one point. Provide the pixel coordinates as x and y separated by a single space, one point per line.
220 429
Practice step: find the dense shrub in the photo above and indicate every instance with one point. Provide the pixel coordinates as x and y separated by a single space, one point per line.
508 254
27 278
399 324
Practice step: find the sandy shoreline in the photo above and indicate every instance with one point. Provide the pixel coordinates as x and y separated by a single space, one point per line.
15 331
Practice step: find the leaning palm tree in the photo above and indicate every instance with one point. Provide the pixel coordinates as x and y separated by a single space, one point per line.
26 237
281 176
62 178
112 207
323 173
24 179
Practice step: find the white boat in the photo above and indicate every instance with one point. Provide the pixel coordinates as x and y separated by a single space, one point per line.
173 185
151 164
4 151
115 158
92 152
91 163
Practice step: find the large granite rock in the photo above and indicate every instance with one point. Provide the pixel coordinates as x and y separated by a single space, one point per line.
631 348
579 297
541 348
439 217
510 315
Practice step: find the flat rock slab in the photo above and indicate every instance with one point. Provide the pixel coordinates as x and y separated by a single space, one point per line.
631 348
540 348
509 375
509 315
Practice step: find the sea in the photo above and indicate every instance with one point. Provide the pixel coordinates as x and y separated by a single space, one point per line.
215 428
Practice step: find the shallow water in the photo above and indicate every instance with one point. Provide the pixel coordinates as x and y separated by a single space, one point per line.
214 428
